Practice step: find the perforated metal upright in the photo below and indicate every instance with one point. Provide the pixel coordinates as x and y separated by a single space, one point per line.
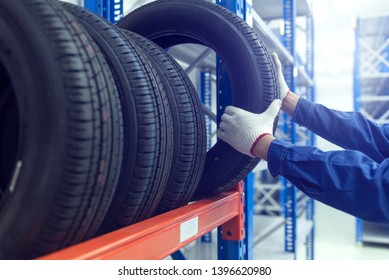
206 99
289 190
241 249
295 202
110 9
310 95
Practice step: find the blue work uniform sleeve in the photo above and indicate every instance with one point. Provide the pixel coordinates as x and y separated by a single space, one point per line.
350 130
346 180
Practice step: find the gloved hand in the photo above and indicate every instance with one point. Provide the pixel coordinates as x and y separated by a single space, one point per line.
242 129
284 89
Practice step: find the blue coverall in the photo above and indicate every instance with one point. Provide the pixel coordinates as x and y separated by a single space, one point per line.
355 180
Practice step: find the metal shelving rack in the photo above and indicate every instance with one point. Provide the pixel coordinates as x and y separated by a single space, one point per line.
371 94
258 14
299 76
161 236
164 235
231 212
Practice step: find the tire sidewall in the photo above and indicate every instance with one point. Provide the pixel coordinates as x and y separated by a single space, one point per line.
188 24
30 64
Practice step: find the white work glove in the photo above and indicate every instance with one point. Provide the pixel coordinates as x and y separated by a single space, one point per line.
284 89
242 129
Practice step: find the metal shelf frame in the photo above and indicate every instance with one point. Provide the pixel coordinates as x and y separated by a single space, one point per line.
164 235
110 9
294 199
371 93
299 76
206 99
240 249
289 191
160 236
231 212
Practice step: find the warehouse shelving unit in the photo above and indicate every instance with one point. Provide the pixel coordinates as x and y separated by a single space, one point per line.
283 203
228 216
292 228
160 236
371 94
164 235
259 14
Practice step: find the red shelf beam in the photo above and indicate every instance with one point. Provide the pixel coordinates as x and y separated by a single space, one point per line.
160 236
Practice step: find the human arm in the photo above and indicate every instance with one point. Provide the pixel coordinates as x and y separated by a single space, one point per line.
261 148
346 180
350 130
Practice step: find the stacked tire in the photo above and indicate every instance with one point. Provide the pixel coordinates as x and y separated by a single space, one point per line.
100 128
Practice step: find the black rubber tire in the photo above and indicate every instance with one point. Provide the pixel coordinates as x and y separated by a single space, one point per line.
249 66
188 122
148 124
68 153
9 133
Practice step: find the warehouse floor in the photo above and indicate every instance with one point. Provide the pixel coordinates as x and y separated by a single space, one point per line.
335 238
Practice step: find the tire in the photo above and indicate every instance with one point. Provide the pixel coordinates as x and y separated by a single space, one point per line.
148 127
251 71
67 150
188 122
9 134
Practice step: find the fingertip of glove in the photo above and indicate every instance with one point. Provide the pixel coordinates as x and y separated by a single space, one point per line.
275 58
230 110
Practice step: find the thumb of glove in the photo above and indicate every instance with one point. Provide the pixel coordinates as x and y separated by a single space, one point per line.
272 111
277 62
281 80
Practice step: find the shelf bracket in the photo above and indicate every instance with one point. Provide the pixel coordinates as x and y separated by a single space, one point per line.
234 228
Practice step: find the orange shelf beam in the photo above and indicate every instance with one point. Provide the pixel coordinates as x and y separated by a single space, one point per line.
162 235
